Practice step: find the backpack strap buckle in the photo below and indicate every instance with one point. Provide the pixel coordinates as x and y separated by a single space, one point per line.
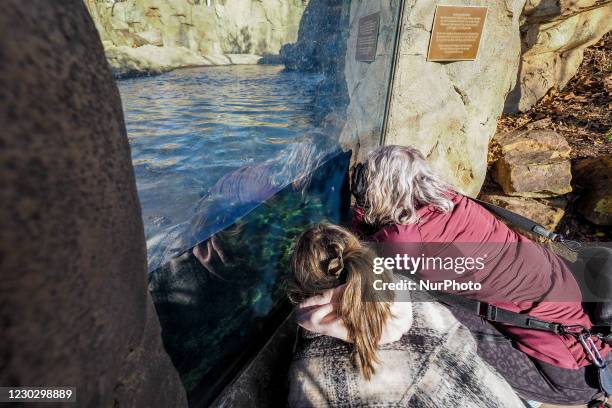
486 311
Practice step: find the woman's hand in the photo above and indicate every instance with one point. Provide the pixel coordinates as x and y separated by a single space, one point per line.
319 314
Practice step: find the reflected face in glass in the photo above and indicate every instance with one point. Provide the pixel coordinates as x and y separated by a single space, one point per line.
188 128
222 290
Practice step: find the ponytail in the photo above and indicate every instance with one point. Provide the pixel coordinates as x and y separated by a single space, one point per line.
363 316
327 256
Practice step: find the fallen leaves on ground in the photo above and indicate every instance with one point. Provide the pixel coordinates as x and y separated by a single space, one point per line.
580 112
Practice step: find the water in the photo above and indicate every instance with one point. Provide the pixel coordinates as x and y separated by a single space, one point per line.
210 142
189 127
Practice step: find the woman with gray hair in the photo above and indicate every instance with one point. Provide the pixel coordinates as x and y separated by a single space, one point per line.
406 208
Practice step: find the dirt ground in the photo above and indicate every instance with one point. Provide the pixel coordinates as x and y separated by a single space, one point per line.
581 113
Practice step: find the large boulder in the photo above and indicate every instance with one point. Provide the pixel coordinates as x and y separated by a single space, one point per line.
321 47
554 35
594 176
447 110
533 163
321 41
74 306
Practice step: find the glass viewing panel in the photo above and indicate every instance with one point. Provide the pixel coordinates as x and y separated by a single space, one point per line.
232 163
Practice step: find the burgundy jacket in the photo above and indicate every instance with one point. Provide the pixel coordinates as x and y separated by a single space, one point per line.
519 275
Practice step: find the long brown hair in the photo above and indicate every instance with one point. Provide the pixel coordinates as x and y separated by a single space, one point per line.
327 256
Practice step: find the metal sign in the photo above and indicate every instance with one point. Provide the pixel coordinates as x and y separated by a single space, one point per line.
367 38
456 33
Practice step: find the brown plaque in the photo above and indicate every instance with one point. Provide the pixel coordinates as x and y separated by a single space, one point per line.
456 33
367 37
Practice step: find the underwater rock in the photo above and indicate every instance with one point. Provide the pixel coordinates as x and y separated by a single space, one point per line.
554 36
533 163
594 176
75 310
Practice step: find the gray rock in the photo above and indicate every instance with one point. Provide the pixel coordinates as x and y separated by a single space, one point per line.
321 42
321 47
74 305
368 82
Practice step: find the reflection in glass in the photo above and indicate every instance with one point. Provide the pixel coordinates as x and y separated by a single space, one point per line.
232 163
214 305
190 127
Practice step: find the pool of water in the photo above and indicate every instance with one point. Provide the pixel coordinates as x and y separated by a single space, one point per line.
190 127
220 156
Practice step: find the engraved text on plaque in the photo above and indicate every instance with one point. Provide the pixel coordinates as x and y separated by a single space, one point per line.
456 33
367 37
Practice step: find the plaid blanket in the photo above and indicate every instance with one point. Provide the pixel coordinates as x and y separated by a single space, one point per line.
433 365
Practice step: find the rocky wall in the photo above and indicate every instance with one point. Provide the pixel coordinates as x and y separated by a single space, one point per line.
368 82
74 305
447 110
321 48
192 32
554 35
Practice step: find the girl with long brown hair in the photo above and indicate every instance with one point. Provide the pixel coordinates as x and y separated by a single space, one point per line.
326 257
431 363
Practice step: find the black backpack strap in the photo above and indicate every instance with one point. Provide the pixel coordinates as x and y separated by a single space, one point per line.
523 223
498 314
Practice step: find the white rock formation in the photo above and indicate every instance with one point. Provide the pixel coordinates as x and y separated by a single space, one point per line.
186 29
554 36
447 110
151 60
